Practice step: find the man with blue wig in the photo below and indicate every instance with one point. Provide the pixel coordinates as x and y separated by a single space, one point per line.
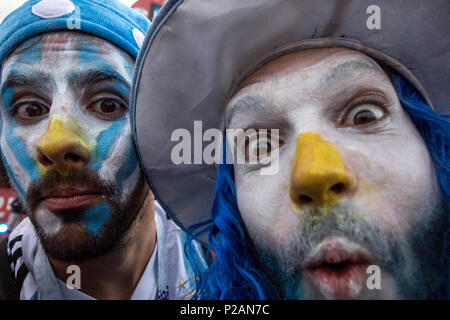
93 229
333 180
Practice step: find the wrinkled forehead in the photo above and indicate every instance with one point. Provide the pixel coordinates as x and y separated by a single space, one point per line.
325 67
65 51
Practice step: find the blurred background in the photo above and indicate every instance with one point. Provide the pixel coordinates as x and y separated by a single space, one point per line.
11 211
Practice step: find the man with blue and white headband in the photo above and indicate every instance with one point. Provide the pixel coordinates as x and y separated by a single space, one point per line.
94 230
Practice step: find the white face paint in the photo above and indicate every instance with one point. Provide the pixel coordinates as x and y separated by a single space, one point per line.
64 107
315 97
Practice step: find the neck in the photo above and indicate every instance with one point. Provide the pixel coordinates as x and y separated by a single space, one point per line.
115 275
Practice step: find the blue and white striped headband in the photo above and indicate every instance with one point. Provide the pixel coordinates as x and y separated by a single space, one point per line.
107 19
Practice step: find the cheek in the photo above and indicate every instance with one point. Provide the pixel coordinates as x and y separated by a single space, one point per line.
129 173
263 202
18 148
396 180
107 142
117 160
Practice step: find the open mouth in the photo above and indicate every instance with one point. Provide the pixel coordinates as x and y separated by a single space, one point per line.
338 268
69 198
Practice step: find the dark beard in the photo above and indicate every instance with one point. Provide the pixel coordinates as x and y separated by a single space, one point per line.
426 277
73 242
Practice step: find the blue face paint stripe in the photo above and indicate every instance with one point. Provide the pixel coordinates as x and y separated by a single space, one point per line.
15 144
128 168
6 102
32 51
95 218
105 142
7 98
32 54
88 50
106 139
119 88
19 151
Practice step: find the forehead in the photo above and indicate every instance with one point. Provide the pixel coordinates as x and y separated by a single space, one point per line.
324 67
66 50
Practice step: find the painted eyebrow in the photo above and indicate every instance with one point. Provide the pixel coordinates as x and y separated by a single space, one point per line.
346 69
246 103
35 79
84 78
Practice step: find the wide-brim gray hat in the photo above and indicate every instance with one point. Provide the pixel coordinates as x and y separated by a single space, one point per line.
198 51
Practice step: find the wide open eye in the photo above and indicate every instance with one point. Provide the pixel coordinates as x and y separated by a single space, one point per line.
260 145
363 114
30 112
108 108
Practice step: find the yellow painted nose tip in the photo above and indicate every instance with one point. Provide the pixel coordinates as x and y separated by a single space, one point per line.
319 177
61 146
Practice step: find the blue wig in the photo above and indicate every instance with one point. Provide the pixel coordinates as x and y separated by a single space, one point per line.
234 272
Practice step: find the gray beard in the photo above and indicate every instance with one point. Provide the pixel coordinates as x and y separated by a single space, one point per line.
418 264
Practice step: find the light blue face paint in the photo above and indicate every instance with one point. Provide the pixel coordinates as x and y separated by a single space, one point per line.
89 51
118 88
7 98
19 149
105 141
128 168
95 218
32 51
6 103
16 146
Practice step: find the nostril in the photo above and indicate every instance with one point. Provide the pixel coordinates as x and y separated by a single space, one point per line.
304 199
44 160
338 188
72 157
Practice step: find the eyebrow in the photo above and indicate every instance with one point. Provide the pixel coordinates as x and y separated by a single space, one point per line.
83 79
346 69
35 79
338 73
247 103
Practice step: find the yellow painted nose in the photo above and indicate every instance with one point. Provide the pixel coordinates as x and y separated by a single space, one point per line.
319 177
61 146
